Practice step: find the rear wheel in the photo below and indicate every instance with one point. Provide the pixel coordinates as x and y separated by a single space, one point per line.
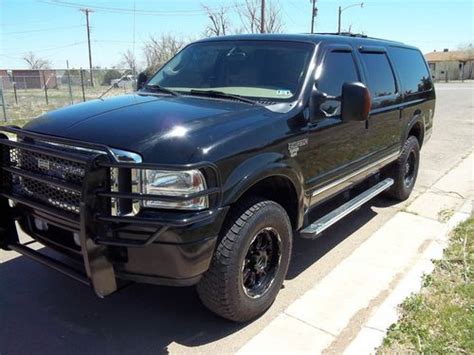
405 170
250 263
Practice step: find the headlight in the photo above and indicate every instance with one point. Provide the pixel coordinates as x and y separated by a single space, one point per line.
174 183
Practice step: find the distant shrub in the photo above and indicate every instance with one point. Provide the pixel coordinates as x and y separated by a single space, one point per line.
110 75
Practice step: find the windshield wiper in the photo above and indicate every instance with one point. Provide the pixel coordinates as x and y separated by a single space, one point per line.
221 94
157 87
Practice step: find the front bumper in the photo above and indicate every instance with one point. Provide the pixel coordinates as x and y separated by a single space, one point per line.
167 247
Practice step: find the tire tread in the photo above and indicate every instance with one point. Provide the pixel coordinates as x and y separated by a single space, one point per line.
212 287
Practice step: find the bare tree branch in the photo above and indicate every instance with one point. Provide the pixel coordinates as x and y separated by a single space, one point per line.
249 15
273 21
220 24
158 50
129 60
35 62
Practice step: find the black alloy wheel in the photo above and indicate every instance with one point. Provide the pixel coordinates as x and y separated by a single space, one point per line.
261 262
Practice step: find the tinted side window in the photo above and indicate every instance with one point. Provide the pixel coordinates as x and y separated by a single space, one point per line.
414 75
380 79
338 68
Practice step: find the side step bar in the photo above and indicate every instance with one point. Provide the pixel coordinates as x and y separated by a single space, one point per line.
50 262
314 230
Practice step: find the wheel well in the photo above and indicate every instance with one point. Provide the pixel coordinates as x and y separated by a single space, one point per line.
280 190
417 132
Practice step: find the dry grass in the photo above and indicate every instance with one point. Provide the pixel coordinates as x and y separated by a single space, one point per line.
32 102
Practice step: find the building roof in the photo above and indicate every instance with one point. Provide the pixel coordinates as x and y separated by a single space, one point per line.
460 56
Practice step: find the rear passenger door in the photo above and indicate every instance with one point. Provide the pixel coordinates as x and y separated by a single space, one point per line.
384 124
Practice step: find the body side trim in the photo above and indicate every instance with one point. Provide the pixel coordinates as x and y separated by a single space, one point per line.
390 157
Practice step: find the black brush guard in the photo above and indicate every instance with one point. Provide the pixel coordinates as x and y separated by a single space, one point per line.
94 215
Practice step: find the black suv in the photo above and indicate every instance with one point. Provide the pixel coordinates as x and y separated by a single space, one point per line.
206 173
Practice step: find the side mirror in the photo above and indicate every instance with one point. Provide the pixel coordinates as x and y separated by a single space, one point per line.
355 102
141 80
316 100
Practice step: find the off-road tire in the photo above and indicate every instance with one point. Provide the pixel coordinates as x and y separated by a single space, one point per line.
222 288
401 190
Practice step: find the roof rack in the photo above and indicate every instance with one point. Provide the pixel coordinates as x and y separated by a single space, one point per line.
348 34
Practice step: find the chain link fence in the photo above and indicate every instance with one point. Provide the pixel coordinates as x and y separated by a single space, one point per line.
26 94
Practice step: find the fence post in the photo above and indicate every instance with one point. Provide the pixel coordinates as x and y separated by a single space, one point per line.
3 102
82 86
69 81
14 92
14 89
446 76
45 84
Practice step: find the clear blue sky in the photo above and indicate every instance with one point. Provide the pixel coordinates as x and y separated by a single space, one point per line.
55 29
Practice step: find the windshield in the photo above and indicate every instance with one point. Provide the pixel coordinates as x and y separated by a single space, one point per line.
257 69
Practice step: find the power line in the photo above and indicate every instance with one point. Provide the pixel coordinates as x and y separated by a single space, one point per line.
41 30
122 10
52 48
29 21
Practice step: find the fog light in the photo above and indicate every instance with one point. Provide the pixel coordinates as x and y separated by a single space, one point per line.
41 225
76 239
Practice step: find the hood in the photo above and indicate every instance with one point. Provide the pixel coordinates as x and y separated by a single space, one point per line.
163 129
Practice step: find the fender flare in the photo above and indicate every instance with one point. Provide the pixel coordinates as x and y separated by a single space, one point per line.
257 168
417 118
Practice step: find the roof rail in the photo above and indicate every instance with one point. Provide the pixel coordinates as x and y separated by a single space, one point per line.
349 34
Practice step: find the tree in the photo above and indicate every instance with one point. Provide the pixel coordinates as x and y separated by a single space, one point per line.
35 62
129 60
158 50
466 47
220 24
249 15
110 75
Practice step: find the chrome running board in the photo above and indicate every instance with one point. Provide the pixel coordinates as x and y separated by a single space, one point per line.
314 230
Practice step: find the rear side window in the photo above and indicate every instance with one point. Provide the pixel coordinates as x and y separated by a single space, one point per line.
411 67
380 79
338 68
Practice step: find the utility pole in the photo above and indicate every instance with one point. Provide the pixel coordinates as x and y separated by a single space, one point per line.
87 11
340 14
314 13
262 17
339 20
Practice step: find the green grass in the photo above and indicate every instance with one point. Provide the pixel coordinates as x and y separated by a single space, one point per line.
440 319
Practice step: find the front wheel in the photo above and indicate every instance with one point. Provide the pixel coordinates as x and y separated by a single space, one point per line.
250 263
405 170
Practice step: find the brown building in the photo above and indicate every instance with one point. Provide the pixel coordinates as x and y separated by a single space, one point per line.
451 65
35 79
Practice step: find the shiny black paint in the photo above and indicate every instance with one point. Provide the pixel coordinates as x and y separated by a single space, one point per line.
248 143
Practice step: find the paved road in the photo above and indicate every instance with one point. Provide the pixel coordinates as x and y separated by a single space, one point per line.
41 311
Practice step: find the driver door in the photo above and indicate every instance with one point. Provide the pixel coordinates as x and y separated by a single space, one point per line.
335 148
